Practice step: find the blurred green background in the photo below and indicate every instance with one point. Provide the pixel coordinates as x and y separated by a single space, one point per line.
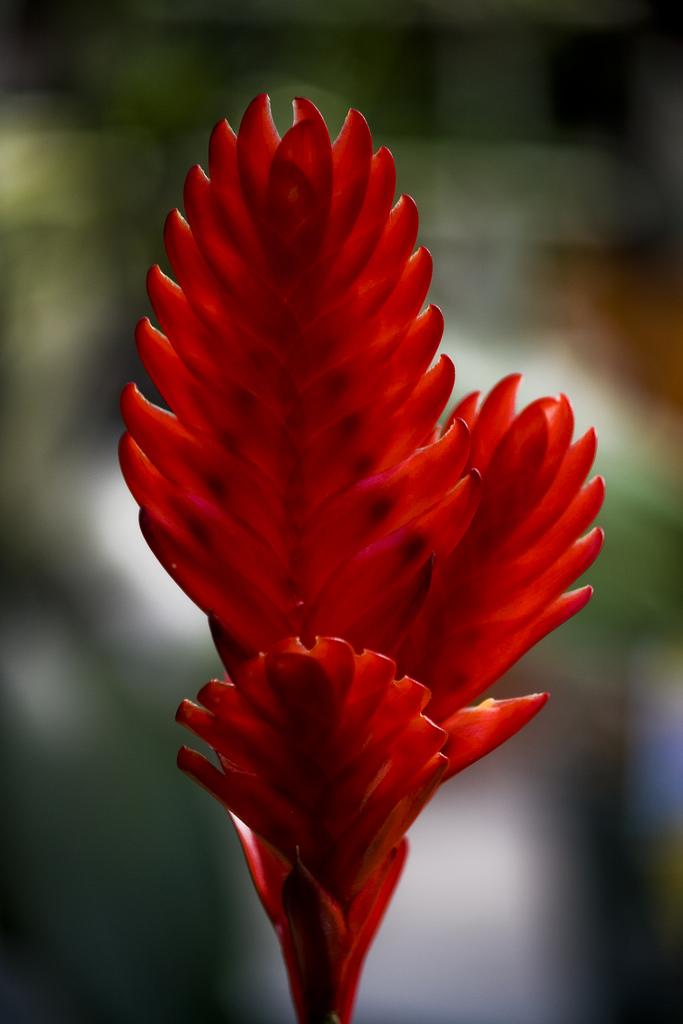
543 142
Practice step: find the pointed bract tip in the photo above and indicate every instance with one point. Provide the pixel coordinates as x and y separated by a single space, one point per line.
304 109
509 383
446 361
353 115
124 446
159 283
221 141
195 178
129 395
184 759
174 220
184 708
385 154
259 107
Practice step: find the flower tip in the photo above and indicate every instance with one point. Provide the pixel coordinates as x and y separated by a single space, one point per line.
185 758
575 600
436 314
124 450
356 116
174 224
447 366
221 141
195 177
130 395
304 108
153 276
257 115
384 153
180 715
143 324
456 429
563 404
407 200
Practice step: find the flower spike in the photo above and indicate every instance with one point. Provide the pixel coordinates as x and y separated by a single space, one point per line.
367 574
295 360
502 589
327 759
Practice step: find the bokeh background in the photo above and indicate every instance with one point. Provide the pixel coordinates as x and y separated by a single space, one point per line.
543 142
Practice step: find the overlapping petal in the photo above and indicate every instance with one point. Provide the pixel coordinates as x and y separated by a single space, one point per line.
504 586
286 728
325 760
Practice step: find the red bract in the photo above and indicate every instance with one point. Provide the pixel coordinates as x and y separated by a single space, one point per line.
327 759
361 567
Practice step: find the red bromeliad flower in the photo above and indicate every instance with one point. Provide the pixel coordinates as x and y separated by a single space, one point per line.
366 573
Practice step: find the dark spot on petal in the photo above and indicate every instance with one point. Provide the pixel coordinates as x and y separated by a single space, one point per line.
350 425
243 400
337 383
413 547
363 465
197 530
380 508
217 486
